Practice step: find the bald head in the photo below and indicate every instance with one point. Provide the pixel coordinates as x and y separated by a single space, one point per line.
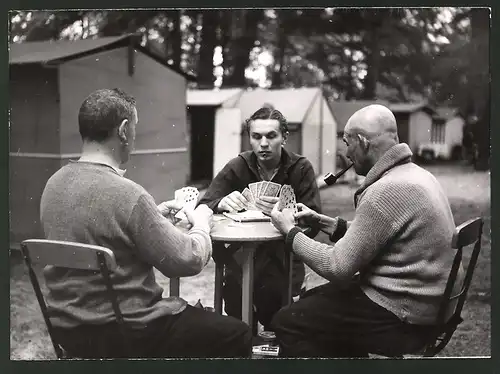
372 120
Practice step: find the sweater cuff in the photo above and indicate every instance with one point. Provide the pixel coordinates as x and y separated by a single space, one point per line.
339 231
289 238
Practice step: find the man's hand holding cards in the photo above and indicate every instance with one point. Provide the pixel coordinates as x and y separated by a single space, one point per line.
283 216
187 197
234 202
260 196
266 204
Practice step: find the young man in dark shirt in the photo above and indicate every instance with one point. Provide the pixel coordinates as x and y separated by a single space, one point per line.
268 161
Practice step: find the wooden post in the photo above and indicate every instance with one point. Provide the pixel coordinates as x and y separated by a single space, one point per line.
247 284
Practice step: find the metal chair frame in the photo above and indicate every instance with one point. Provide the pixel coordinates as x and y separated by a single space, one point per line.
90 257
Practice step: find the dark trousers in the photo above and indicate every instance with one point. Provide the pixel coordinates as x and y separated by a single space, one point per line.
332 322
193 333
270 286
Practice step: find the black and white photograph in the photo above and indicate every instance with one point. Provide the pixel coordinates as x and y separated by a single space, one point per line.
249 183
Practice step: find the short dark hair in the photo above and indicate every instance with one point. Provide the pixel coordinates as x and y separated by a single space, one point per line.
268 112
103 111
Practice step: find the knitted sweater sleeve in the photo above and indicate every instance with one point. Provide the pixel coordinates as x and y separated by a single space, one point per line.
158 242
368 233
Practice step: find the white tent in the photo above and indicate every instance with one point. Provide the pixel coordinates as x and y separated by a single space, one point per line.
310 118
215 130
211 97
312 126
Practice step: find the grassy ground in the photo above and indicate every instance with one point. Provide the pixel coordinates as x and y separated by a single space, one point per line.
469 194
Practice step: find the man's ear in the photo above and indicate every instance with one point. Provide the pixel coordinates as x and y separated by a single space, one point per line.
285 137
365 143
123 131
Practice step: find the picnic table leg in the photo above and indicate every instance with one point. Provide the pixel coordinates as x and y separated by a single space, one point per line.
219 275
175 285
247 283
289 272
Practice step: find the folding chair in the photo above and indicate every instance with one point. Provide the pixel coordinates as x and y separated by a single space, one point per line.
468 233
74 256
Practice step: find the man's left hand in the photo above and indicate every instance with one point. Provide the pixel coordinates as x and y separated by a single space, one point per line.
266 204
283 220
172 205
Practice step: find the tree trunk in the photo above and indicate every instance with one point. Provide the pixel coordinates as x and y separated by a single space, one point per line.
374 21
242 45
225 26
175 38
279 55
480 23
208 43
373 66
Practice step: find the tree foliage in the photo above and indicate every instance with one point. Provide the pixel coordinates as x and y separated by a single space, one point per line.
397 54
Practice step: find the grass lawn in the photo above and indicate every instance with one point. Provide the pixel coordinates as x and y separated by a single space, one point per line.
469 194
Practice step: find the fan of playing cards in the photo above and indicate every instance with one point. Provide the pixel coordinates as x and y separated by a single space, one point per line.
285 193
189 197
258 189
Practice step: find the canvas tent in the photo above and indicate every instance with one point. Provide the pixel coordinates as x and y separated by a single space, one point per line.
214 131
343 110
414 122
49 80
444 140
312 125
414 119
447 126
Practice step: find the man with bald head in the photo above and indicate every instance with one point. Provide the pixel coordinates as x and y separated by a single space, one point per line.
387 269
372 126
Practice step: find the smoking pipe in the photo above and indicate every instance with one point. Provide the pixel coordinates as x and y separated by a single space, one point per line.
332 178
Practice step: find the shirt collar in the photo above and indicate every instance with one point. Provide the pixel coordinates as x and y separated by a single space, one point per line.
120 172
396 155
263 174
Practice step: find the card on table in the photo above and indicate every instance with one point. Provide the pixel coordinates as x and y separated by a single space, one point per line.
248 216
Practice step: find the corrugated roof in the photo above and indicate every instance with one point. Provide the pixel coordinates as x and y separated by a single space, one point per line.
343 110
211 97
293 102
47 51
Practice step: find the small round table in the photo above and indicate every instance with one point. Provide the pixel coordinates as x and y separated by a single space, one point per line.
248 235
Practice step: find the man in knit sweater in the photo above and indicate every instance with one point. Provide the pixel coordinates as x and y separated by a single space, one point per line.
387 268
90 201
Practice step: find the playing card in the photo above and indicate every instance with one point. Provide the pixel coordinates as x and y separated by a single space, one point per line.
189 197
254 189
261 188
248 216
271 189
287 198
247 194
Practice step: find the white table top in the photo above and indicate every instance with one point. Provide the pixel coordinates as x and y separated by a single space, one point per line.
227 230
